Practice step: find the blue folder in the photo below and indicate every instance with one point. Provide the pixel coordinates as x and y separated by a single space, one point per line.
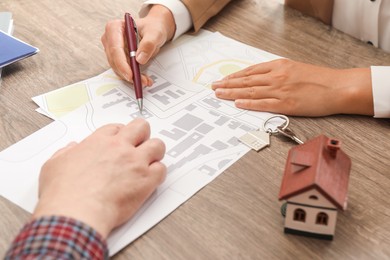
13 49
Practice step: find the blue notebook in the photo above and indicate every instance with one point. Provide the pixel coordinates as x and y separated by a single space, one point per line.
13 49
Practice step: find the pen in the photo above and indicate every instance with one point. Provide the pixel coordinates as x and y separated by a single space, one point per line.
131 36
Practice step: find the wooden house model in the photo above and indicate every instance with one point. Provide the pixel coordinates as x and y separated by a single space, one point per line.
315 186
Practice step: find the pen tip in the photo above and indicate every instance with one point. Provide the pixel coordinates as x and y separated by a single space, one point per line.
140 104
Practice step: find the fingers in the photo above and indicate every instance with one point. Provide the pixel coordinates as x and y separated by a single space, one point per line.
149 46
118 61
243 82
114 46
155 29
246 93
145 51
256 75
158 173
136 132
153 150
261 68
266 105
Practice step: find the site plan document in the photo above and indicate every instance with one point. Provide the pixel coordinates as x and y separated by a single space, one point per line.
199 130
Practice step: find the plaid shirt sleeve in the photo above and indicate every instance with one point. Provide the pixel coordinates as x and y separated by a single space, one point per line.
57 237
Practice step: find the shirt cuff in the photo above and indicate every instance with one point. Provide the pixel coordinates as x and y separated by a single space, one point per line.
180 13
56 237
380 77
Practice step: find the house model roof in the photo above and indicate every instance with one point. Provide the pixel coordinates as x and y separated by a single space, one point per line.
320 164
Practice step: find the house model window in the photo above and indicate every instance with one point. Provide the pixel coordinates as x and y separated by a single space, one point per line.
322 219
299 215
313 197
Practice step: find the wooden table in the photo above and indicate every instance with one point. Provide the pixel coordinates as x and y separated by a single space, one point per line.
237 216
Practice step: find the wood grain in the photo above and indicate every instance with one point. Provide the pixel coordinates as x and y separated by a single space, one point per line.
237 216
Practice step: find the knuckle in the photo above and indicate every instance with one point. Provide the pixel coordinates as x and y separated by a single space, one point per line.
281 62
156 144
246 81
163 172
141 125
110 51
114 126
109 25
250 70
289 106
113 24
280 77
141 122
252 92
142 169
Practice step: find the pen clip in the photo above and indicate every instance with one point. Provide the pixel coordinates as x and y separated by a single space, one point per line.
136 31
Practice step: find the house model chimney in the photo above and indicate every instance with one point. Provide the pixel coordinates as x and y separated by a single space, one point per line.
333 146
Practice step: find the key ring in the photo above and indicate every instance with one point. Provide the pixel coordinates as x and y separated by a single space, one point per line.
282 126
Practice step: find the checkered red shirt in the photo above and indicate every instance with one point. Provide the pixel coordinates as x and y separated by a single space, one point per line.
57 238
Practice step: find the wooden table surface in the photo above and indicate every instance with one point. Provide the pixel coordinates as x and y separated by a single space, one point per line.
237 216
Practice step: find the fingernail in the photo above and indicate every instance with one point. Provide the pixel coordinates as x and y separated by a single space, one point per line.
142 58
147 81
216 84
219 91
125 77
150 82
238 102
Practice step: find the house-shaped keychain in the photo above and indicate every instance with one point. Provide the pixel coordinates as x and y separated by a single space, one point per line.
315 186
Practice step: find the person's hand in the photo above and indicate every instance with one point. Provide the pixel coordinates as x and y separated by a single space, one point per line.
299 89
103 180
154 30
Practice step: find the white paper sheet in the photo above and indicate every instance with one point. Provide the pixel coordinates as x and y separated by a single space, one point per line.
201 59
199 130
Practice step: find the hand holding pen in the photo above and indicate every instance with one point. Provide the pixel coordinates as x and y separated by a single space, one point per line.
154 30
132 43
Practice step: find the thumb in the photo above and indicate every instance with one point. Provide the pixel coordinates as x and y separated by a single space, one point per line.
146 49
150 45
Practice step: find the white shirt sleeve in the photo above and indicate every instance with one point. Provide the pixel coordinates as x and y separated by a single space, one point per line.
180 13
380 77
366 20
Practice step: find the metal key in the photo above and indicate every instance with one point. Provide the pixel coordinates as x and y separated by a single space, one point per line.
259 139
288 133
282 129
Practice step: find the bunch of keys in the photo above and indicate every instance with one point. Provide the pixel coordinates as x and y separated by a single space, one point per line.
260 138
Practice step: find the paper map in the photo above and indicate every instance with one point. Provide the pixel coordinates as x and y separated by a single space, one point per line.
199 130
